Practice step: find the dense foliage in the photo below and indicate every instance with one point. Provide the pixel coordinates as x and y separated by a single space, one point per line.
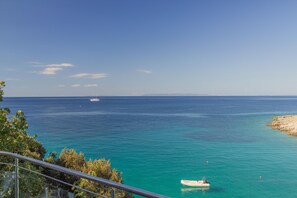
14 138
69 158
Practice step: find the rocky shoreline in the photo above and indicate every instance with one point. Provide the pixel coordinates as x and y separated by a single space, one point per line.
287 124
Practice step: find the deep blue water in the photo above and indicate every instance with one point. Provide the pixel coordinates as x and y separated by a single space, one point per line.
157 141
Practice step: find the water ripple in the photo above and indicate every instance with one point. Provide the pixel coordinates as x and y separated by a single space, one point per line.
93 113
221 137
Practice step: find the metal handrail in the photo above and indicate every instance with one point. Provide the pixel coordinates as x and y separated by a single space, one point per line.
124 187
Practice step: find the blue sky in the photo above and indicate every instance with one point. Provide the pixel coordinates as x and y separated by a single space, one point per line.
137 47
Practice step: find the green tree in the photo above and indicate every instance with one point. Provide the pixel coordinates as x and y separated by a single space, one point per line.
14 138
69 158
13 133
100 168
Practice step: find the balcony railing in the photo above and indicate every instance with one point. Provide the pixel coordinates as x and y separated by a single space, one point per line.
15 176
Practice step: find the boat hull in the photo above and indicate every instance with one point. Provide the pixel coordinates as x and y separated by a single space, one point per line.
194 183
94 99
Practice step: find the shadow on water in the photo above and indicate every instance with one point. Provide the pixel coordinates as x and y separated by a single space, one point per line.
221 137
194 189
216 190
203 189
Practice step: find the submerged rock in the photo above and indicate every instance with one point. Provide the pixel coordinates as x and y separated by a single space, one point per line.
287 124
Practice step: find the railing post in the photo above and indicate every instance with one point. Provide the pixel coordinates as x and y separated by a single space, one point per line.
112 193
16 178
46 192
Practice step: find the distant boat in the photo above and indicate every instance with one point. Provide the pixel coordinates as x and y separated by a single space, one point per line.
94 99
196 183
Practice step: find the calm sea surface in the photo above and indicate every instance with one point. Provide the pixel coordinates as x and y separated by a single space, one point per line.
157 141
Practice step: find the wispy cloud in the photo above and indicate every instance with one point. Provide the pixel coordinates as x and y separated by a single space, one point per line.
60 65
144 71
35 63
91 85
75 85
50 71
89 75
61 86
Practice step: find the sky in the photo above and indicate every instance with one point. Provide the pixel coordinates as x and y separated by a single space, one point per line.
140 47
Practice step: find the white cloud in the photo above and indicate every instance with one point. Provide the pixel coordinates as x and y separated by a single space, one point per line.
89 75
75 85
91 85
37 63
61 86
60 65
50 71
34 63
144 71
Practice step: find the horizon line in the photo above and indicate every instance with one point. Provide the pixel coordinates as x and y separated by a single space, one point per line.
152 96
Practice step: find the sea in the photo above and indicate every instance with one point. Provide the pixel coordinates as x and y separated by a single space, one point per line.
157 141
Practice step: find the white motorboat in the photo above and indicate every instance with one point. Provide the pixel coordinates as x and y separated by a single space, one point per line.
195 183
94 99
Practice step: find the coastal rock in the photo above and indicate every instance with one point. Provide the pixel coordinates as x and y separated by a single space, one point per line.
287 124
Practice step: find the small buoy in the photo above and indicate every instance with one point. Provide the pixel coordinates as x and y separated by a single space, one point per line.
260 177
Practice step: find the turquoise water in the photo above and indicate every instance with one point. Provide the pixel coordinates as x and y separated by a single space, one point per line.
157 141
